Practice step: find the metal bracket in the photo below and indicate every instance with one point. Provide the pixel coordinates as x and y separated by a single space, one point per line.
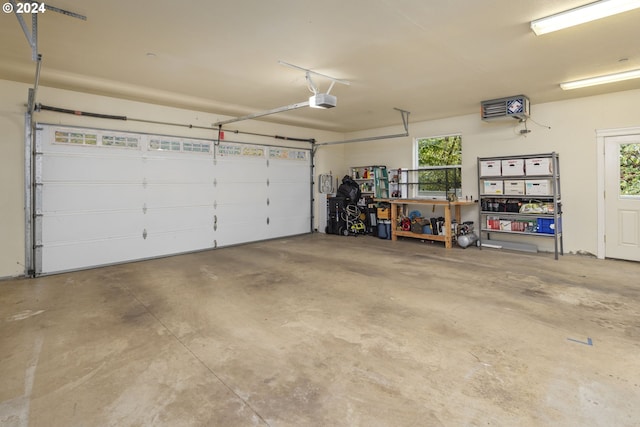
405 122
32 37
405 118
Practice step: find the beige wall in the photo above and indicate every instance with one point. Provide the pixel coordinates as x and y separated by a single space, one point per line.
12 111
572 134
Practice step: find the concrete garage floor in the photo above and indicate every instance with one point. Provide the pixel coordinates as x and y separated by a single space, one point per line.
320 330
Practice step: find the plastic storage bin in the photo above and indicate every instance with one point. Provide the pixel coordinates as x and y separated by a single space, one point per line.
546 226
384 229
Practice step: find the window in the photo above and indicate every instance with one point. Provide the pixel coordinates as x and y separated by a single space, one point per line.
120 141
164 145
199 147
630 170
63 137
438 162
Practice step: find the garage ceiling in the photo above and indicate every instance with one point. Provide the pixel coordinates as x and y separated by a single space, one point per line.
434 58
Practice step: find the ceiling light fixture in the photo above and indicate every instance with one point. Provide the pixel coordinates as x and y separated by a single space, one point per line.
580 15
600 80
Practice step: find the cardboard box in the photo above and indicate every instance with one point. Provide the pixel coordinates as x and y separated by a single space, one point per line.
493 223
542 166
514 188
493 187
490 168
505 225
513 167
384 213
537 187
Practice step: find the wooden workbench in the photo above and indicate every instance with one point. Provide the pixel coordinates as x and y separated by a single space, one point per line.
400 204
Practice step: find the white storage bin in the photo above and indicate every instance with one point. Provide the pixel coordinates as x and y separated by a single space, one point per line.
493 187
513 167
490 168
514 188
541 166
538 187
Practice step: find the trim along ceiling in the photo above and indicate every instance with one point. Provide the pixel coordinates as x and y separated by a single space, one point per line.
434 58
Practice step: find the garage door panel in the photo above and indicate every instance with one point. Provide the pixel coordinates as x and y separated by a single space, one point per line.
240 212
91 169
287 171
76 197
164 195
237 233
289 225
179 218
290 192
185 169
240 223
171 242
81 227
72 256
242 192
288 210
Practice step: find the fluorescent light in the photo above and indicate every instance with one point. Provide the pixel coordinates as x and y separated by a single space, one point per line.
580 15
600 80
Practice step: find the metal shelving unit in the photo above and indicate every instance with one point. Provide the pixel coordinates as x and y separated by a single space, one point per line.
507 183
373 180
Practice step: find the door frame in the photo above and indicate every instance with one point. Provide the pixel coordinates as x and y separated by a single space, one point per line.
601 135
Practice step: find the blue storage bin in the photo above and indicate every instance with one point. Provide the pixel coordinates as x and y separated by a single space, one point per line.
384 229
546 226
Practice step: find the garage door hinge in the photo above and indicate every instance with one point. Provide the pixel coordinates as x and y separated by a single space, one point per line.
144 234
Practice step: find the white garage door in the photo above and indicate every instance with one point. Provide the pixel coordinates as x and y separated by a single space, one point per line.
104 197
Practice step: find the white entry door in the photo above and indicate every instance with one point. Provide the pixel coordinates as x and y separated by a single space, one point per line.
622 197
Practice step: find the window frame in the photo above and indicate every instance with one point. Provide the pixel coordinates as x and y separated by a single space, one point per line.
415 191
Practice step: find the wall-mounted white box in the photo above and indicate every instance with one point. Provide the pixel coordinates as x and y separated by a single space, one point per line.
514 188
538 187
490 168
513 167
493 187
541 166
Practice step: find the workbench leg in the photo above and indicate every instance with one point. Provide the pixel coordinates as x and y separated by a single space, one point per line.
394 221
447 227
